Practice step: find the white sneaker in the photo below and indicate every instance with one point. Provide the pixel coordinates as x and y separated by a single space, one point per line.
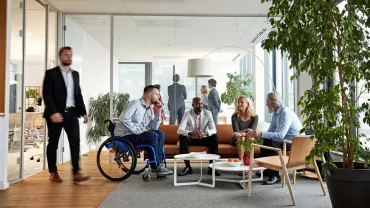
164 171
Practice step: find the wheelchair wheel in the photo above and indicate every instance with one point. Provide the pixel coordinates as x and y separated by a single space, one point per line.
118 161
141 162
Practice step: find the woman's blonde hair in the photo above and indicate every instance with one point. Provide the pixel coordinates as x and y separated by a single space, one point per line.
250 109
204 89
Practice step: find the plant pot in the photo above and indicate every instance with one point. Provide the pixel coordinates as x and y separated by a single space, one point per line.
246 160
31 101
349 188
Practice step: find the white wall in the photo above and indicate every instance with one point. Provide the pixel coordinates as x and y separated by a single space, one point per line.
91 59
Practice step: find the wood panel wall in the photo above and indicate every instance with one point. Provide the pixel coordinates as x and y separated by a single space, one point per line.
3 26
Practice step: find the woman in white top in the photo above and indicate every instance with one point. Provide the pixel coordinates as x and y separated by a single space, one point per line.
204 96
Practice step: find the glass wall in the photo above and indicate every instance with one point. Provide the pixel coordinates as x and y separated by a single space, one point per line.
29 59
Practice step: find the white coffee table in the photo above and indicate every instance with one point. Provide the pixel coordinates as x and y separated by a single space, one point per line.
205 157
223 166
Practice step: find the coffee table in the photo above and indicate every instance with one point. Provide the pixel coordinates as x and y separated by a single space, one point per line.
223 166
205 157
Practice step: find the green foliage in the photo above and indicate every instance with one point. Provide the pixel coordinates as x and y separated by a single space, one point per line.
247 144
99 112
236 87
32 93
39 101
329 45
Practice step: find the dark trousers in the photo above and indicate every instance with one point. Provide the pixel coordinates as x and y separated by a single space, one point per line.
211 142
72 128
176 114
154 138
278 143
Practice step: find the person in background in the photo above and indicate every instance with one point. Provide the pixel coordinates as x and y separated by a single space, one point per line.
243 119
197 128
285 124
176 100
204 96
163 116
214 102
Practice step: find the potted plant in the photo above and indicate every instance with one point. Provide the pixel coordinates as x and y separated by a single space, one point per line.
332 46
247 145
99 112
236 87
39 101
31 95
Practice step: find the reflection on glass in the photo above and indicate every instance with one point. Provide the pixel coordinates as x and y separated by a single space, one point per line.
15 90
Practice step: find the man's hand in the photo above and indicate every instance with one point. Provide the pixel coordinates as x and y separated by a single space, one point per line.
158 110
237 134
56 118
86 119
144 129
254 134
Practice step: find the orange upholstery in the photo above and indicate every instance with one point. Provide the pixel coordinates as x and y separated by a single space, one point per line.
224 133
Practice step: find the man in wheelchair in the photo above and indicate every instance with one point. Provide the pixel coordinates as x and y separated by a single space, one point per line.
138 123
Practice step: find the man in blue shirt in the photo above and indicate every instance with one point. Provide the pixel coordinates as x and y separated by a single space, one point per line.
285 124
138 123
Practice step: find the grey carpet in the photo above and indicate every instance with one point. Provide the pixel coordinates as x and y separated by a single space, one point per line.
134 192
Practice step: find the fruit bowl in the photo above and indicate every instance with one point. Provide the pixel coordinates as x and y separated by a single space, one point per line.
234 162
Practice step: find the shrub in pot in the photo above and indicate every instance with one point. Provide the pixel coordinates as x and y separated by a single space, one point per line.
332 45
237 86
247 145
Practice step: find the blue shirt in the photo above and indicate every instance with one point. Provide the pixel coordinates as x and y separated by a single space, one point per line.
136 116
68 80
285 124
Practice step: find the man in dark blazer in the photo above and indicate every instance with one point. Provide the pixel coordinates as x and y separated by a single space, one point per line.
214 102
63 106
176 101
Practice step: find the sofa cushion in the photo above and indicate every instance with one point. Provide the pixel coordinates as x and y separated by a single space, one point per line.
224 133
171 133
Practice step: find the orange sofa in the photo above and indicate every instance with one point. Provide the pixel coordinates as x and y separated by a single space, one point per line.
224 133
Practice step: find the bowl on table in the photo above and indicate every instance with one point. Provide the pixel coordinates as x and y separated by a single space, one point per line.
197 154
234 162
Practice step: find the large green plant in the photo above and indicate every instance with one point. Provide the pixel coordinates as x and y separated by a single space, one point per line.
32 93
236 87
99 112
330 45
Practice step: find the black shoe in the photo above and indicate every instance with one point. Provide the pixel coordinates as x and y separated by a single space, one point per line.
217 173
272 180
258 173
186 171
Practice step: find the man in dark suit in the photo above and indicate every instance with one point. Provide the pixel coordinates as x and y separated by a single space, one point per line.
176 101
214 102
63 106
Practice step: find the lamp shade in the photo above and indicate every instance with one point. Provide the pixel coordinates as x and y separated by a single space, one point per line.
199 68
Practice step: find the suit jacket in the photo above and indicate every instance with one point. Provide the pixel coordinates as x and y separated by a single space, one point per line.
54 93
214 102
188 123
177 95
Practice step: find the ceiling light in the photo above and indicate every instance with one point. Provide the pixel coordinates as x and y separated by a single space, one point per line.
199 68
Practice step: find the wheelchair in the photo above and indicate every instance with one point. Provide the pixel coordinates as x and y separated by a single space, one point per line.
124 159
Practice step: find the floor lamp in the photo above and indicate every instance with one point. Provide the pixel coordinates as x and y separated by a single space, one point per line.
202 67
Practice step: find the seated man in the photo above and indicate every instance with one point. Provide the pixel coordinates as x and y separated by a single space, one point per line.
197 128
285 124
138 123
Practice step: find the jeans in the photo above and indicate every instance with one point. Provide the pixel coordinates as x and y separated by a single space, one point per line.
177 113
154 138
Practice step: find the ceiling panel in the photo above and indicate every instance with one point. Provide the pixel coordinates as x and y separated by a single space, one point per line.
159 7
89 6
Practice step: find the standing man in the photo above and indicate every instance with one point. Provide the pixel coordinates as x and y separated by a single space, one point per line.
176 101
63 106
197 128
214 102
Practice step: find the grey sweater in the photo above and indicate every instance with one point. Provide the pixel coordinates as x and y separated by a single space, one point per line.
239 125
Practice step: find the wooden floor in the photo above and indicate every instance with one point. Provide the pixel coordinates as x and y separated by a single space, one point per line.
38 191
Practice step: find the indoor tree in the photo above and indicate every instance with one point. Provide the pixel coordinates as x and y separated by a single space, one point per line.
331 45
99 111
236 87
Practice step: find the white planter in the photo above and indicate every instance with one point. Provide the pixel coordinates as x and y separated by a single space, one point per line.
31 101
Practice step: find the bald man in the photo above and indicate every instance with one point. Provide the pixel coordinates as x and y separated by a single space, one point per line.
197 128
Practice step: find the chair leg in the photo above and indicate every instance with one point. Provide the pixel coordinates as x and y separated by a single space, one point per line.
285 173
319 177
294 176
282 181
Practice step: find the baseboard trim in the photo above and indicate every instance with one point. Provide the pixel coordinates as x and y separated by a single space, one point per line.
4 185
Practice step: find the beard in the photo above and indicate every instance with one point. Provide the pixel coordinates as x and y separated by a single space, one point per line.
154 101
270 110
66 63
